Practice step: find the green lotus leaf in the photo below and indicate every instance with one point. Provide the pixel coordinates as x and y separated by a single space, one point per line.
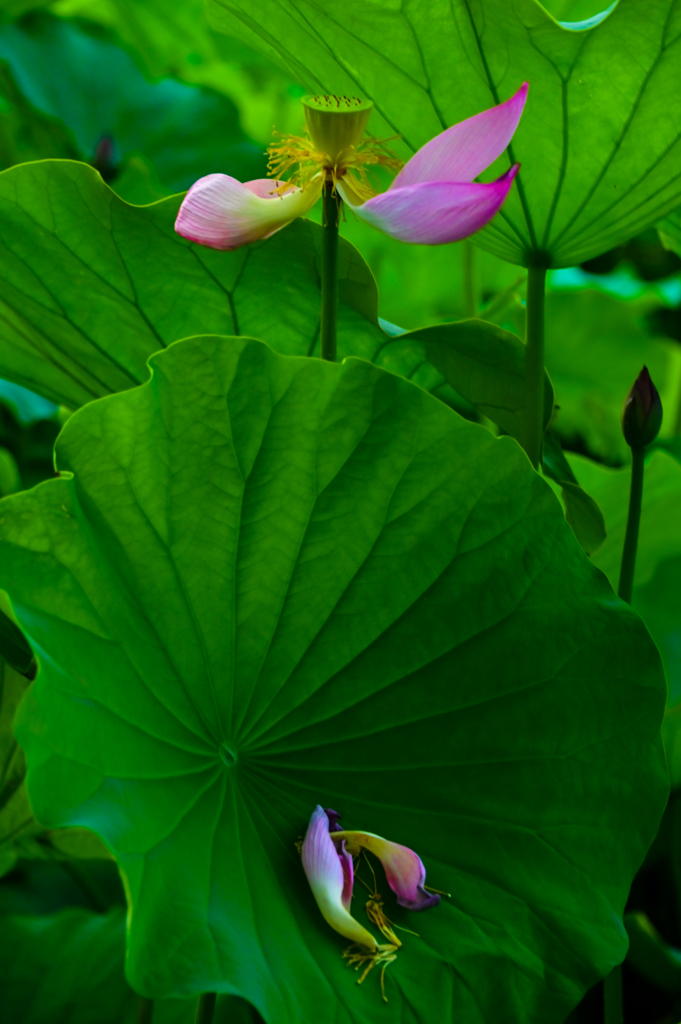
600 138
175 39
67 291
20 834
26 133
90 287
68 966
485 364
261 582
582 512
184 131
16 817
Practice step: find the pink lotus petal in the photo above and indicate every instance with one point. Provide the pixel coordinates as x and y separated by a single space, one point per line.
463 151
330 878
403 868
436 212
224 213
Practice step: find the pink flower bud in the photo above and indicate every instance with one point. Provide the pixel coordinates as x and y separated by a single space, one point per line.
642 412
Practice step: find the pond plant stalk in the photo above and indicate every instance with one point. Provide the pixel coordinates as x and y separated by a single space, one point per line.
534 363
329 313
205 1008
626 583
145 1010
641 421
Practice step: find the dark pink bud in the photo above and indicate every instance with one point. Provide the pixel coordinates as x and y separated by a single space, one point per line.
642 412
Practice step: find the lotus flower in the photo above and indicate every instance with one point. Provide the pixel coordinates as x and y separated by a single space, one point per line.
403 868
433 199
327 860
642 413
330 874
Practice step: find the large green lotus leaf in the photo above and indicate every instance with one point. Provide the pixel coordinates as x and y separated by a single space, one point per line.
657 590
91 287
65 967
26 133
176 39
595 348
486 364
16 817
68 967
78 264
600 138
261 582
163 35
186 132
20 834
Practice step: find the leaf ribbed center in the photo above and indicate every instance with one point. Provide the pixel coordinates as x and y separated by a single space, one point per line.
228 755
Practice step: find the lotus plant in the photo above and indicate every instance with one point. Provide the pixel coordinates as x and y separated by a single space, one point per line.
433 199
327 854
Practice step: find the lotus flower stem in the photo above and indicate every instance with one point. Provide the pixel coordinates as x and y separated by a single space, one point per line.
628 566
329 315
470 299
145 1010
641 422
612 997
205 1008
534 364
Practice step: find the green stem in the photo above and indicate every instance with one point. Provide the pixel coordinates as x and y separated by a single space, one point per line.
612 985
329 317
204 1008
534 364
612 997
145 1010
470 303
626 585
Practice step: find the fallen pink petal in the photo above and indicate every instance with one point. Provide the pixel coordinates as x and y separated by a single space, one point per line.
403 868
330 874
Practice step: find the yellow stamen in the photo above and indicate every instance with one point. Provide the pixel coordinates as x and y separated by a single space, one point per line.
438 891
359 956
332 147
374 908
